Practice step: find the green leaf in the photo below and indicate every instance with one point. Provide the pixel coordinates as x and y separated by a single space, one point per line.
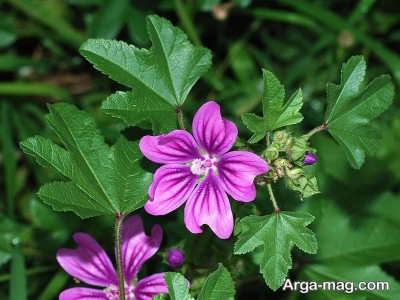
166 72
277 233
219 285
178 286
18 276
356 274
133 110
371 242
350 253
387 206
276 112
100 179
352 108
351 79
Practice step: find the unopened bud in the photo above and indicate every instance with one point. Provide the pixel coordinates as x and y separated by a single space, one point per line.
175 258
310 159
294 173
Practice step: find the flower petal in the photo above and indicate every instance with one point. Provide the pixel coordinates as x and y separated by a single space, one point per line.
151 286
82 294
137 247
88 263
171 187
237 170
209 204
178 146
213 133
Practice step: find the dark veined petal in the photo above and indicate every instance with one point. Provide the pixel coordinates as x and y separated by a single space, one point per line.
213 133
83 294
237 170
209 204
137 247
151 286
178 146
171 187
88 263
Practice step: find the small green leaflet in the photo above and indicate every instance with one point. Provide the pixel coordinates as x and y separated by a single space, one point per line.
161 77
100 179
178 286
352 105
277 233
276 112
218 285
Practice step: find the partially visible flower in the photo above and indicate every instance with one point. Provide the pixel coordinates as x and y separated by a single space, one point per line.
201 172
310 159
175 258
89 263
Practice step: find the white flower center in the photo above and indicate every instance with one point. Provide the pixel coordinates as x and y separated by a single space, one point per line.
201 166
112 292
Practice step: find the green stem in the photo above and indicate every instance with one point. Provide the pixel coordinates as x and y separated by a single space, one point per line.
179 115
273 199
121 280
187 22
317 129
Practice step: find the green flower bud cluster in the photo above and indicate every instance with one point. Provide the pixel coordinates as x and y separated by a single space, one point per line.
285 155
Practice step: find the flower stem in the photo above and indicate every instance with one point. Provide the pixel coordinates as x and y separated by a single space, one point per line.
317 129
179 115
118 253
273 199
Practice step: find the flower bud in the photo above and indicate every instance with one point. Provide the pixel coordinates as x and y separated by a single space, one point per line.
294 173
175 258
310 159
271 153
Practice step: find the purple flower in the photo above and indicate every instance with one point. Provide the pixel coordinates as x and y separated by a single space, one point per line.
175 258
200 171
90 263
310 159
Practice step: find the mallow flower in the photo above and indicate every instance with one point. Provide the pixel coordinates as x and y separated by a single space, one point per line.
89 263
200 171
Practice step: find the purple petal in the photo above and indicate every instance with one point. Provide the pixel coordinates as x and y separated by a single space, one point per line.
151 286
82 294
171 187
212 133
88 263
209 204
237 170
178 146
137 247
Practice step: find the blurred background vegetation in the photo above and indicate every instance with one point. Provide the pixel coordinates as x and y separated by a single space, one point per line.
303 42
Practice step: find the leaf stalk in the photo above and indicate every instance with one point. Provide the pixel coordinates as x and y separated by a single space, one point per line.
273 199
317 129
181 121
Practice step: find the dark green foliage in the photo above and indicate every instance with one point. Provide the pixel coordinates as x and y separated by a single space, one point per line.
158 64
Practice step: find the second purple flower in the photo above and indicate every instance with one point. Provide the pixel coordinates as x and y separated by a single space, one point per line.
200 171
